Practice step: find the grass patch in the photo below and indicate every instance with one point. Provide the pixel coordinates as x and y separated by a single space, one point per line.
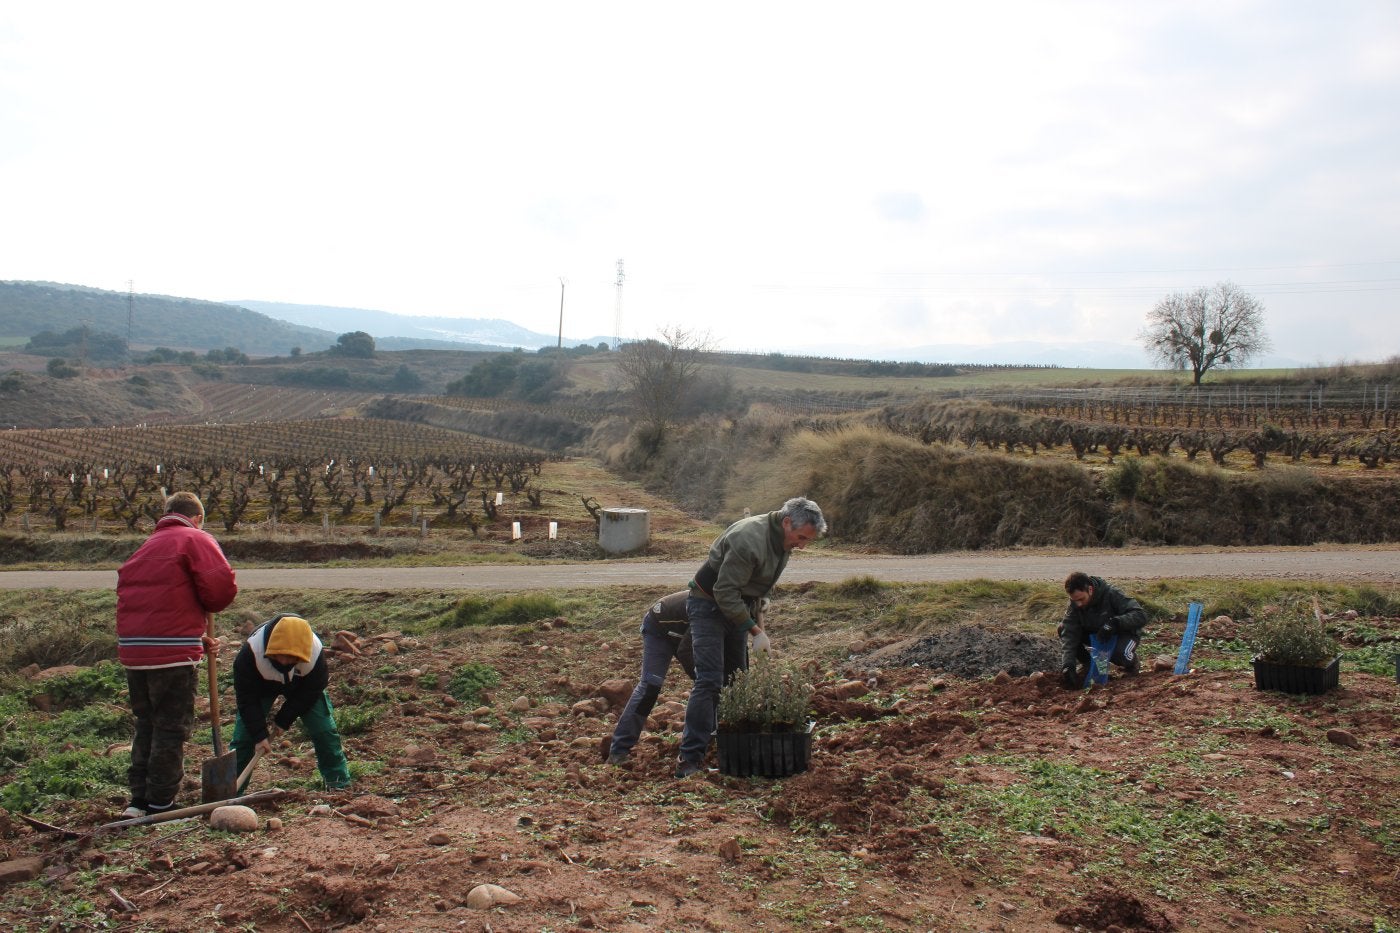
502 610
1164 843
469 681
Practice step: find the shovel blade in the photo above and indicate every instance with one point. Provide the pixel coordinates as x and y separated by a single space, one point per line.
218 778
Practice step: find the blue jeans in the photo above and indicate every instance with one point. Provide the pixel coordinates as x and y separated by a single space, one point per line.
715 638
658 649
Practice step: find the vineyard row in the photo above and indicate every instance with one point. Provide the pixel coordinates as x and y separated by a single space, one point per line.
1294 407
1012 432
365 440
291 471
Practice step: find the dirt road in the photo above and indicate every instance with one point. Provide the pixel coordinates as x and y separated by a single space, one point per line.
1343 564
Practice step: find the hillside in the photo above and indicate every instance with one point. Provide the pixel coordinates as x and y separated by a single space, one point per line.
403 332
27 308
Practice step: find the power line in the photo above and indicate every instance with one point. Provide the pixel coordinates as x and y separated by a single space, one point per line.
617 316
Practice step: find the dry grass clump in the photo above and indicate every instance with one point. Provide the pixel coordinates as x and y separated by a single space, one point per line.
895 493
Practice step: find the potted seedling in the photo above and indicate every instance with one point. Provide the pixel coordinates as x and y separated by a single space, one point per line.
763 726
1294 651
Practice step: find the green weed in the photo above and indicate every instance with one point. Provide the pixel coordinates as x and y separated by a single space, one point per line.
354 720
469 680
67 775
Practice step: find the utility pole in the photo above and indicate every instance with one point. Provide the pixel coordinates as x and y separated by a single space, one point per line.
617 315
130 315
561 312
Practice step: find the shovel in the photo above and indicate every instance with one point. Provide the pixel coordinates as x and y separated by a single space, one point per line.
218 777
248 771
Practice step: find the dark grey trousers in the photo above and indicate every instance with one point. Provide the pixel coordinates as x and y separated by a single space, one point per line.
162 700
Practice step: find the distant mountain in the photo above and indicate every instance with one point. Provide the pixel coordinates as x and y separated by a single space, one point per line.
398 331
27 308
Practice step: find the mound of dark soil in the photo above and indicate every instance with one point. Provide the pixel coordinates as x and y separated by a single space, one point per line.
968 652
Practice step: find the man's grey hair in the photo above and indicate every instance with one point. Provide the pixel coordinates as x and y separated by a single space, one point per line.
803 512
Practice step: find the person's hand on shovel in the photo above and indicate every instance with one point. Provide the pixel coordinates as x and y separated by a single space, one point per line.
212 644
274 731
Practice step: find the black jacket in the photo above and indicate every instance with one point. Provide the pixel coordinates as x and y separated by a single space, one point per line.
1109 605
255 678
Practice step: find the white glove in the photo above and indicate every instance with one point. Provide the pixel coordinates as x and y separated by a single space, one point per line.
761 643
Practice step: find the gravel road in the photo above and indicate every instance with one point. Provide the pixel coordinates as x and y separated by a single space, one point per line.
1340 564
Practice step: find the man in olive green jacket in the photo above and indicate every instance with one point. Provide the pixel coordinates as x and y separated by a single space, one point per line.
743 565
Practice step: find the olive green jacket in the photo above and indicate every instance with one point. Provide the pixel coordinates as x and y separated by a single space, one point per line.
743 565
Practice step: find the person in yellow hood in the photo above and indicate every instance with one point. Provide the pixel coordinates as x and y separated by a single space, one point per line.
283 657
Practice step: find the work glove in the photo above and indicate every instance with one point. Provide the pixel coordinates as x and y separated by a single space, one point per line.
1068 678
761 643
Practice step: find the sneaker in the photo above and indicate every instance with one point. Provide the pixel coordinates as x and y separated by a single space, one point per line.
618 759
154 808
133 812
685 769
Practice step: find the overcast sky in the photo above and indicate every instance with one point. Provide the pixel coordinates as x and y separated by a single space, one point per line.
779 175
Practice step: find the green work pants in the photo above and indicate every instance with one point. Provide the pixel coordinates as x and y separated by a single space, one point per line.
318 723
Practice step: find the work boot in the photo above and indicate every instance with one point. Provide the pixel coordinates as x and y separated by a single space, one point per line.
618 759
685 769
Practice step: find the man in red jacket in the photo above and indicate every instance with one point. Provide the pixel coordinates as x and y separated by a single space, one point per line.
167 593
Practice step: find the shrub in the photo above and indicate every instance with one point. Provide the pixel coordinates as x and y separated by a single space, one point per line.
1293 634
771 696
856 587
1125 478
507 610
65 635
470 680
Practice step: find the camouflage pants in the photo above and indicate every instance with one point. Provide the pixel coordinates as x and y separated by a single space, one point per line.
162 700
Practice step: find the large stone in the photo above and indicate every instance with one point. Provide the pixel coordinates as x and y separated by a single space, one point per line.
591 707
21 869
63 670
486 896
1343 737
616 692
234 818
849 690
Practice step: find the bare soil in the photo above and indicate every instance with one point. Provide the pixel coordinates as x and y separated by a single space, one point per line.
935 801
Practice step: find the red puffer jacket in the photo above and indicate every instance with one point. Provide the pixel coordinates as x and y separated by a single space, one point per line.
163 592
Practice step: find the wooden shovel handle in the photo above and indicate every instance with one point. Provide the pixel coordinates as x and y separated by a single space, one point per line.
196 810
213 688
243 778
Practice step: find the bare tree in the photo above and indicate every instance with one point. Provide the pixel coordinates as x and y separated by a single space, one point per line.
1221 326
657 373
